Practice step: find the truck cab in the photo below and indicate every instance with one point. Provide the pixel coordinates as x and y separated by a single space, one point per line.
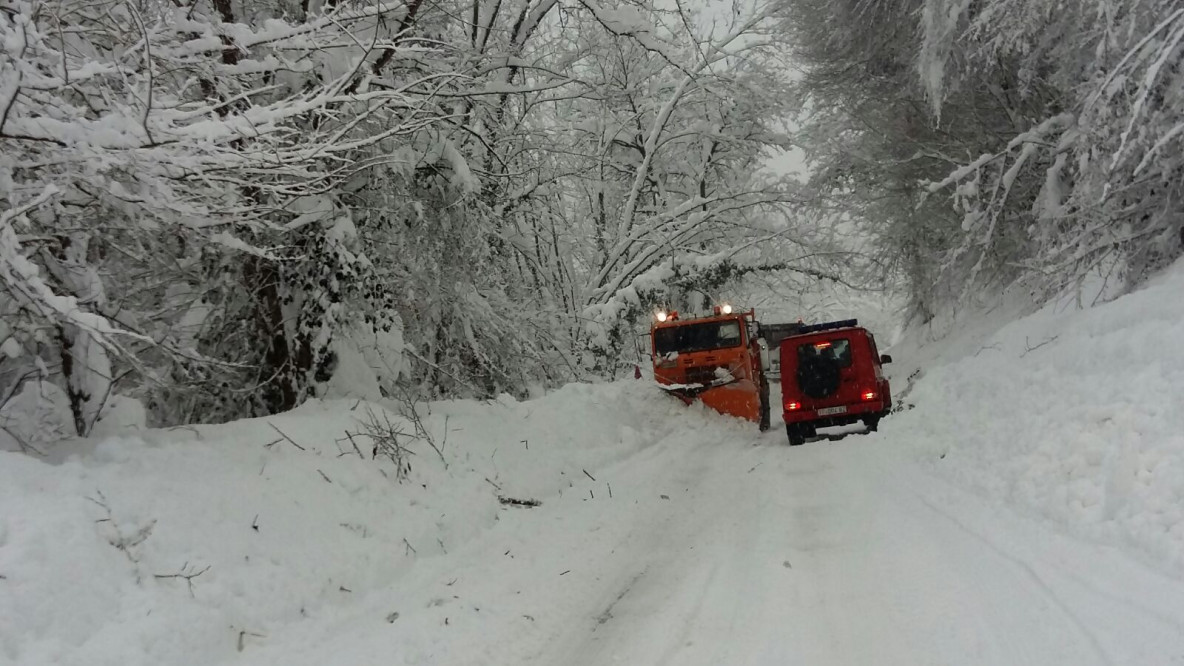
716 359
831 374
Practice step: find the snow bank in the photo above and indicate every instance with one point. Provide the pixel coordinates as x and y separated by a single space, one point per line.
1071 414
191 545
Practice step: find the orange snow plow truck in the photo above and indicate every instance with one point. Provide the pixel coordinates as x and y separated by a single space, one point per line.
719 360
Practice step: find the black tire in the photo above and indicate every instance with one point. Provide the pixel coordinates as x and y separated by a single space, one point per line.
796 434
872 423
765 407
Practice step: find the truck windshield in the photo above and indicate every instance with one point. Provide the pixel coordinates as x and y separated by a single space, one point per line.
697 337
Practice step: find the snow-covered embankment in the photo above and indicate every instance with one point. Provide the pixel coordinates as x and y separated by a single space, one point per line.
192 545
1073 414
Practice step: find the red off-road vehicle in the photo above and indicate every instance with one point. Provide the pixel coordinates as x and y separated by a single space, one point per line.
831 375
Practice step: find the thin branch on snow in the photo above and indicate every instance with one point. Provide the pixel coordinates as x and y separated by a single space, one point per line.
185 574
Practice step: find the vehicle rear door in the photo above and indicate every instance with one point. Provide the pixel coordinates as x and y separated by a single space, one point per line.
836 348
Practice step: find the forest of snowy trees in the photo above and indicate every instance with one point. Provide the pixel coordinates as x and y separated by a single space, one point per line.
215 208
990 143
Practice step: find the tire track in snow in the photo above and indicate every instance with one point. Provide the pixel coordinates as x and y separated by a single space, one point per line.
822 555
872 578
1038 583
1129 612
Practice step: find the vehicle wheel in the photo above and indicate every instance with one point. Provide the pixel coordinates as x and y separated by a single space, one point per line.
765 408
872 423
796 434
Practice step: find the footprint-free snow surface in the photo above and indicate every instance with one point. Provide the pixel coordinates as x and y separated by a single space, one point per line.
1046 532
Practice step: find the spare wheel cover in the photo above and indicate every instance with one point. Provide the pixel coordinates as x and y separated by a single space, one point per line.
818 377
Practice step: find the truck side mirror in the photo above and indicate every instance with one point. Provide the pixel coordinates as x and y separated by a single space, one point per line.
765 354
885 359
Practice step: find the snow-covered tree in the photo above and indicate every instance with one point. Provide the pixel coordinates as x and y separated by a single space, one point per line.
992 142
211 206
151 150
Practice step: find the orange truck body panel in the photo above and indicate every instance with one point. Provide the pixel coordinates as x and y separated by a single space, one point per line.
727 378
741 399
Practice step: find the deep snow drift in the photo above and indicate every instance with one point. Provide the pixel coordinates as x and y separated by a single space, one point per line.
1076 415
279 535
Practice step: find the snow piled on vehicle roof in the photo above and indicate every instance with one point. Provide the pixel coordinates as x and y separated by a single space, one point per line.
1072 414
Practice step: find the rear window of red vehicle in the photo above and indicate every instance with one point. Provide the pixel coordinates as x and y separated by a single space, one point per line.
837 349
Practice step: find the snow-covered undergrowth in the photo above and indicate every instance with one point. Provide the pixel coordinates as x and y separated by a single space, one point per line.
187 546
1074 414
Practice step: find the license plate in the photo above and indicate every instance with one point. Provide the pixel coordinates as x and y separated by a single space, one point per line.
827 411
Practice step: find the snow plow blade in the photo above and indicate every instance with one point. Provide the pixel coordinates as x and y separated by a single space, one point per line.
737 398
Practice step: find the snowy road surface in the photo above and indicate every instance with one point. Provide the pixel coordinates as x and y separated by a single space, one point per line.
750 552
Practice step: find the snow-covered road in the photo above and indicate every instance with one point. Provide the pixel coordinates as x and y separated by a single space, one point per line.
750 552
666 535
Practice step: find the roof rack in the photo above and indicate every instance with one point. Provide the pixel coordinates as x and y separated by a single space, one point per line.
828 326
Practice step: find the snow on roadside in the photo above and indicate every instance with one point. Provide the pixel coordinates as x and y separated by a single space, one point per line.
1075 415
273 525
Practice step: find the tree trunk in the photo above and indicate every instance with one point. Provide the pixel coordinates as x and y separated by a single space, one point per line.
86 366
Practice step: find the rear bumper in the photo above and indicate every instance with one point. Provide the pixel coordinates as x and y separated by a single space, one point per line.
854 413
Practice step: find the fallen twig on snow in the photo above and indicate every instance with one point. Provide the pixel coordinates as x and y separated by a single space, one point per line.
188 576
285 436
511 501
242 634
349 436
123 542
411 413
1031 349
385 437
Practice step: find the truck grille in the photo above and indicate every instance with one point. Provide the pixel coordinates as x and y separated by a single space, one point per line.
702 375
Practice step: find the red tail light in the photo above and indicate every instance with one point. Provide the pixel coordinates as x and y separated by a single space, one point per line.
793 406
869 395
